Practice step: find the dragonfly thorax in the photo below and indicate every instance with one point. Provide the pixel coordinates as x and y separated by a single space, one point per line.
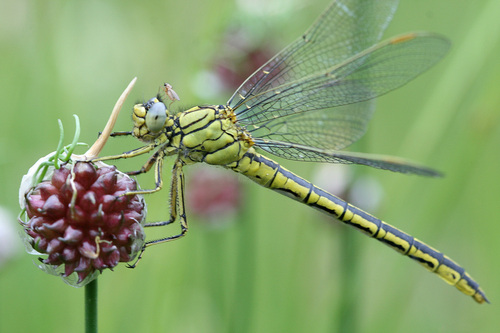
209 134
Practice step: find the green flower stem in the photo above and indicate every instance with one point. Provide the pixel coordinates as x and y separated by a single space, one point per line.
91 307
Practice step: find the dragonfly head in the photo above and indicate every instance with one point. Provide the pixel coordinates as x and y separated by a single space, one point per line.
150 119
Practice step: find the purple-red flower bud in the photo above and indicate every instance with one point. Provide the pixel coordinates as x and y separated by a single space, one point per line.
82 221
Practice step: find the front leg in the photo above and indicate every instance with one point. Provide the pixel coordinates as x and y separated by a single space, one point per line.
146 167
158 159
122 133
128 154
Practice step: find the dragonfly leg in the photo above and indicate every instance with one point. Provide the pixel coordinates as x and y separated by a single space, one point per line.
176 201
177 210
128 154
146 167
117 134
158 159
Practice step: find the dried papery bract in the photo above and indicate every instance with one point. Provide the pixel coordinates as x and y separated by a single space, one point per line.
96 148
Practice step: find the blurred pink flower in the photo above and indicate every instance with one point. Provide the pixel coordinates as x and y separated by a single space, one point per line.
213 194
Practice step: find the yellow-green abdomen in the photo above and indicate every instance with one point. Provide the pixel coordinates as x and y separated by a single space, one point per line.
270 174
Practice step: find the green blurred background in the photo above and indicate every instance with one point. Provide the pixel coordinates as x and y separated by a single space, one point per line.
278 266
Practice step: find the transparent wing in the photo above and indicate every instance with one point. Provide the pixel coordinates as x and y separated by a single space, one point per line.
328 129
345 29
332 66
368 74
311 154
313 98
279 114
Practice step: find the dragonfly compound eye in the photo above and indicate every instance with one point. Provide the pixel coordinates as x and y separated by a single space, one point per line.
156 116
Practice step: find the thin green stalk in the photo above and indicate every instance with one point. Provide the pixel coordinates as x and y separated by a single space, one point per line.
91 307
243 297
347 318
213 258
350 252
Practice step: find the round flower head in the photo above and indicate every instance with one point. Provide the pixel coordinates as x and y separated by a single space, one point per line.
80 219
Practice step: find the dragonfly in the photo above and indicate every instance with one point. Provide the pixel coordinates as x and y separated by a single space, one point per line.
307 103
